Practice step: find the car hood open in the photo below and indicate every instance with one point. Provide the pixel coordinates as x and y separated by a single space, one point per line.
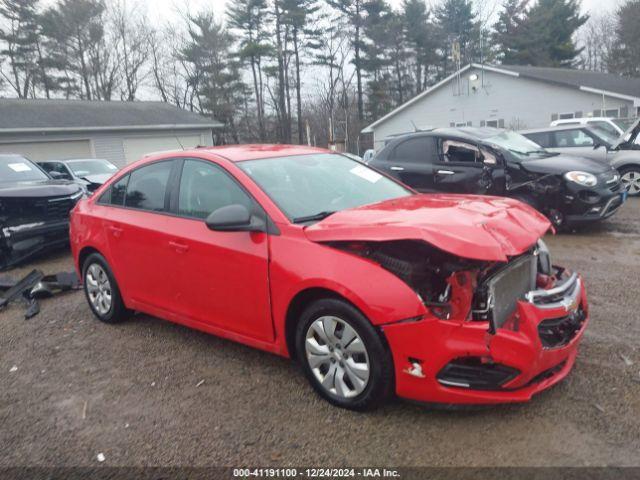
469 226
629 137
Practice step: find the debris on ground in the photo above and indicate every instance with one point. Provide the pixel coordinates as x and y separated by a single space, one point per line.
199 383
599 407
100 457
627 361
13 369
33 287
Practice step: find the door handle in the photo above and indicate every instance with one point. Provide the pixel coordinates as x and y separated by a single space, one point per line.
179 247
397 169
115 231
446 172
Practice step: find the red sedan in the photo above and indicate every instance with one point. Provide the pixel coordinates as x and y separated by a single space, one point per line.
305 253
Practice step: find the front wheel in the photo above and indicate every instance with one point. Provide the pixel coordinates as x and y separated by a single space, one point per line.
630 177
343 356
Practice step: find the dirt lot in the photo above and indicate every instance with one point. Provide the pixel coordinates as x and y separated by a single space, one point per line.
151 393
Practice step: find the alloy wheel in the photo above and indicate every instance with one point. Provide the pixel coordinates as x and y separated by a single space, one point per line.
98 288
337 357
631 182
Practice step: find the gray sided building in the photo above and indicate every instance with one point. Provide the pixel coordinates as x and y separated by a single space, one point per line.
513 97
120 132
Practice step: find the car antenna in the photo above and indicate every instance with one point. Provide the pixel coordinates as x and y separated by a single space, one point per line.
415 127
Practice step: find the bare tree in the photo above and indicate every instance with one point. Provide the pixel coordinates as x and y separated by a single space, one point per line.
598 38
133 47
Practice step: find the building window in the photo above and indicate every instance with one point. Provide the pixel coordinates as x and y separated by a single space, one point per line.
566 116
612 112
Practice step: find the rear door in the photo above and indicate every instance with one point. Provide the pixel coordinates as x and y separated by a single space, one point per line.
411 161
577 142
464 167
137 227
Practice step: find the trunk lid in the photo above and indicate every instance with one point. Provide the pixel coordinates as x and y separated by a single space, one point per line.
469 226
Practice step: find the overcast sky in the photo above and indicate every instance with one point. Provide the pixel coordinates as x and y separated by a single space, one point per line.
165 9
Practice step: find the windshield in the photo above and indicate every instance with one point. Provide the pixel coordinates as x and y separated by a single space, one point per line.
520 146
82 168
311 187
18 169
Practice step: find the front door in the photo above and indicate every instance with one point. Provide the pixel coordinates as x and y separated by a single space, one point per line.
463 167
220 278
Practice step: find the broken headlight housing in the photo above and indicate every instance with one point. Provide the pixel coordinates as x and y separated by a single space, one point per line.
581 178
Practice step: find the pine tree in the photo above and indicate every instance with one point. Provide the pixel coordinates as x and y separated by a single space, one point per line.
543 36
507 37
353 13
420 39
248 17
20 44
457 24
625 57
298 15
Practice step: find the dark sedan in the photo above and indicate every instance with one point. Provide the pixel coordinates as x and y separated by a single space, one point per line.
568 190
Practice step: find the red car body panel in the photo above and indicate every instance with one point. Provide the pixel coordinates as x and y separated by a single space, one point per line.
242 285
483 228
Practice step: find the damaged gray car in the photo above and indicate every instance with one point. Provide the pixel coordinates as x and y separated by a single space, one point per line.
34 210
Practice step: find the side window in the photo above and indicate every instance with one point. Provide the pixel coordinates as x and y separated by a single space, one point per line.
542 138
57 167
573 138
415 150
205 187
115 194
148 185
460 152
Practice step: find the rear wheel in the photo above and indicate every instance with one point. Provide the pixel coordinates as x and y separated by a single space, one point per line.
102 291
630 177
343 356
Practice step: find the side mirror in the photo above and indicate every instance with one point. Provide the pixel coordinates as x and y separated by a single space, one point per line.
233 218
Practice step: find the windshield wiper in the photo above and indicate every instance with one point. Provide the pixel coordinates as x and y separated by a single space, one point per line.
315 217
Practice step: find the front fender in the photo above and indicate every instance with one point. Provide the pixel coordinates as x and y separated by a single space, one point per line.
298 265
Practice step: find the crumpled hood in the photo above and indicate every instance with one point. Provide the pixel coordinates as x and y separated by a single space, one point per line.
469 226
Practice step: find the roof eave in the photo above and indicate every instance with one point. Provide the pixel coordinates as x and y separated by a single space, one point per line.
194 126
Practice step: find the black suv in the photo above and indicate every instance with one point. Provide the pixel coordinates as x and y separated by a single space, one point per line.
568 190
34 209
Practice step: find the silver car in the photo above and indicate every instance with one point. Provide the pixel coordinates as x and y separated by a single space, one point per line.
582 141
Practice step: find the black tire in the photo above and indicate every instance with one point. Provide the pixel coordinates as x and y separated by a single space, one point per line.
117 311
380 386
627 170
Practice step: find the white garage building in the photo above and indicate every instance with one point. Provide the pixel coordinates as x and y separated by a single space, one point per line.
120 132
513 97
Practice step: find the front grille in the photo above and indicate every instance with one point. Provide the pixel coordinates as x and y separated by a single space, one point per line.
59 207
509 285
558 332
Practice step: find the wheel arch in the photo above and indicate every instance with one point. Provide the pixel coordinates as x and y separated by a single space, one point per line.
304 298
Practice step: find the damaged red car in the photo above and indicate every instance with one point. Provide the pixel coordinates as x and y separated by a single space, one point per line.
305 253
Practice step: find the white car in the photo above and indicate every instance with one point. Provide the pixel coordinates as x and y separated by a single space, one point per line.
614 127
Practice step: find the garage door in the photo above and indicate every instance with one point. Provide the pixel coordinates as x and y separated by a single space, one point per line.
50 150
137 147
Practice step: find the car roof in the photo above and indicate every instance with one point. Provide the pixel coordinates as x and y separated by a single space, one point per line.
469 133
69 160
583 120
559 128
238 153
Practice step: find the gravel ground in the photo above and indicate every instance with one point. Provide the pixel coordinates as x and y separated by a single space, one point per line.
148 392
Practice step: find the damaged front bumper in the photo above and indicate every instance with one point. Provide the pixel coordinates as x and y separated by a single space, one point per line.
20 242
464 362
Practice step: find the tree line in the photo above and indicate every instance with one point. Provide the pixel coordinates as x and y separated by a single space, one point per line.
295 71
